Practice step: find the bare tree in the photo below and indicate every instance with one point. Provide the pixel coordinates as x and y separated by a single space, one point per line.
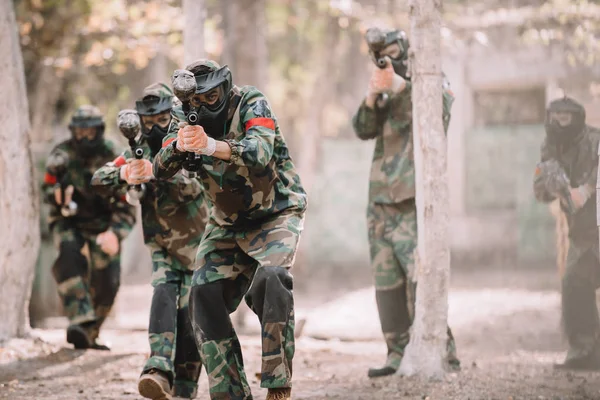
245 52
19 209
245 48
193 31
426 352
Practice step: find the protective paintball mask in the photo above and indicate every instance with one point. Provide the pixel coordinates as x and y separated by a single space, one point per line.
565 121
87 146
151 106
400 63
379 40
209 106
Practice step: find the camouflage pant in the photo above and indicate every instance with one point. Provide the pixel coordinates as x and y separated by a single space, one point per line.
393 241
253 263
87 278
579 310
173 348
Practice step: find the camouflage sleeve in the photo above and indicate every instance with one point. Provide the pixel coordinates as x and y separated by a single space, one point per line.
122 218
255 149
367 122
106 180
181 188
168 160
539 188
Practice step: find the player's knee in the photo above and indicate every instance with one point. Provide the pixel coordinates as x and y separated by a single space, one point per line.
107 283
270 295
208 312
70 262
164 298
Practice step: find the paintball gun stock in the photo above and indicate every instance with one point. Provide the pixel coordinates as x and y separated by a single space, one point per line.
184 87
128 122
57 165
375 39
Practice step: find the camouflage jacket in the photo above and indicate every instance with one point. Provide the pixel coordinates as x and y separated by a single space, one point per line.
580 162
259 180
174 212
393 169
95 213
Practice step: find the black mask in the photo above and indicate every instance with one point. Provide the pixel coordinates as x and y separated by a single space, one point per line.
568 134
400 67
213 118
87 148
154 138
213 123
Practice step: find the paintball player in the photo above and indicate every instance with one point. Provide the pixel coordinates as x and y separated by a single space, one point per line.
257 213
88 229
174 215
568 171
386 116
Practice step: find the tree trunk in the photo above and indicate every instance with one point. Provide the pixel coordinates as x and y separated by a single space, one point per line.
427 350
245 52
245 48
19 209
193 31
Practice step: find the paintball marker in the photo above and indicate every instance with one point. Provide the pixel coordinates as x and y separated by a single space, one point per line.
184 87
129 125
57 165
376 40
557 182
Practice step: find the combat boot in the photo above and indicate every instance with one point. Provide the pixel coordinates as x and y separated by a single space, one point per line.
154 385
79 337
279 394
389 368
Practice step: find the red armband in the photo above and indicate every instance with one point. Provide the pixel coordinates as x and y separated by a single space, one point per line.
264 122
120 161
168 142
49 179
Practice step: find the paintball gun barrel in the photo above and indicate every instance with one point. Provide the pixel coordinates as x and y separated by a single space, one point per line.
128 122
184 87
57 166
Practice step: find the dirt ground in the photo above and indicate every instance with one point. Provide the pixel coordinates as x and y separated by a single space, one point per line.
506 325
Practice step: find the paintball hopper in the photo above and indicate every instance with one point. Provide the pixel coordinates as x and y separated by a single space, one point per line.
376 40
184 87
184 84
57 162
128 122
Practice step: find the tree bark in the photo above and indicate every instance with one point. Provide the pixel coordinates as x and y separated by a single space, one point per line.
427 350
245 48
245 53
193 31
19 209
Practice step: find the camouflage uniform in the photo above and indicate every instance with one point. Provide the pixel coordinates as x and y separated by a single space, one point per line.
87 278
248 247
581 279
174 214
392 217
